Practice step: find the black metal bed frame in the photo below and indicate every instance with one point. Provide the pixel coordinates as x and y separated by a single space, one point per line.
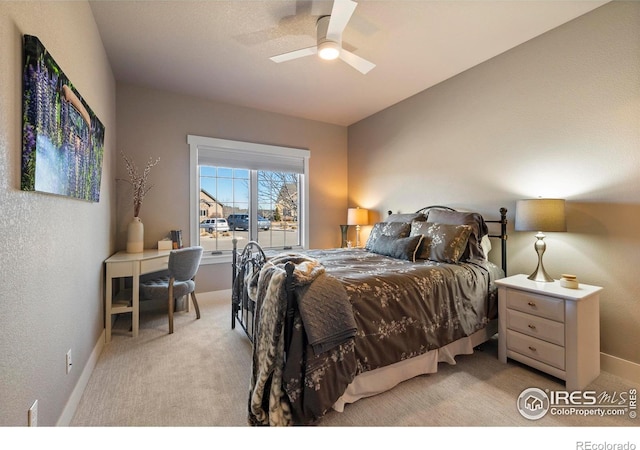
252 258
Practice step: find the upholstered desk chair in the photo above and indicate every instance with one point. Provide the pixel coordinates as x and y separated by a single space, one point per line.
177 281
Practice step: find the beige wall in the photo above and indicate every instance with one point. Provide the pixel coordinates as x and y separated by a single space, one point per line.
52 247
154 123
558 116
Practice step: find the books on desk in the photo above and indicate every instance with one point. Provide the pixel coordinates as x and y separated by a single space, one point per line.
176 238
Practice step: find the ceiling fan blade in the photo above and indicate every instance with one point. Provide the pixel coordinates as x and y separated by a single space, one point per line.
295 54
356 61
340 16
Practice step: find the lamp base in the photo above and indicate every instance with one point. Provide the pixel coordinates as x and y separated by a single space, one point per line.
540 274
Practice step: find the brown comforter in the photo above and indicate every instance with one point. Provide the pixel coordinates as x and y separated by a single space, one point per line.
401 309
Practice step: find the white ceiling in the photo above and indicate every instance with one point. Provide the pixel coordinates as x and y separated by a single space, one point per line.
220 49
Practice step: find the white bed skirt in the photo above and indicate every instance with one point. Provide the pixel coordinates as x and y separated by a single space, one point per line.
380 380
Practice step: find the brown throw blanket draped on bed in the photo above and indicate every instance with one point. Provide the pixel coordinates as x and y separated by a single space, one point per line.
326 317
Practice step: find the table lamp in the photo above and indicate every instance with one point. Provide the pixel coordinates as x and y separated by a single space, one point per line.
357 217
542 214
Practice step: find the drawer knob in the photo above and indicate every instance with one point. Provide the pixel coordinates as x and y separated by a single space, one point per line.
533 349
531 303
533 327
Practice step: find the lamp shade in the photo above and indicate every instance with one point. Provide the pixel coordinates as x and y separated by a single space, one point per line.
542 214
357 216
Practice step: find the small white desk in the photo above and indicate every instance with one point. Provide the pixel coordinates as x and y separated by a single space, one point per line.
123 264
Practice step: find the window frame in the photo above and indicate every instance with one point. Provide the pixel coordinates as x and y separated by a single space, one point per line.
250 151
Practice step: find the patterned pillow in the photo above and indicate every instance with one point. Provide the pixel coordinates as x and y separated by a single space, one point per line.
442 242
393 229
478 229
400 248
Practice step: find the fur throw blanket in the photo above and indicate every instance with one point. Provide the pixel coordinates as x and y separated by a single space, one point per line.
326 315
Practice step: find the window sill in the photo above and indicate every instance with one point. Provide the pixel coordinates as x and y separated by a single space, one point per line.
226 258
208 258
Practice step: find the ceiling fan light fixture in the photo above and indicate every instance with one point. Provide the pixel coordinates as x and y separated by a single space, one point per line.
329 31
328 50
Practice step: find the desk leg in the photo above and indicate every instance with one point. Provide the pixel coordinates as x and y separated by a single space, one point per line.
107 308
135 300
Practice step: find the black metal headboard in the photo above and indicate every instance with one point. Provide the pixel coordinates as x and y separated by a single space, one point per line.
503 229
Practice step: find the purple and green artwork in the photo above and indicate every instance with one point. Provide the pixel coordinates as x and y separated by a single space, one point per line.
62 139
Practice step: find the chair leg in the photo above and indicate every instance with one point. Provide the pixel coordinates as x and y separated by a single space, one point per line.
171 306
195 304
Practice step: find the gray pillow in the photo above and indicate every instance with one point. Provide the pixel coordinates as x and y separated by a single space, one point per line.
405 217
393 229
399 248
474 220
442 242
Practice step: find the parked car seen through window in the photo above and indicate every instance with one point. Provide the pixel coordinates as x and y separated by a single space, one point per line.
241 222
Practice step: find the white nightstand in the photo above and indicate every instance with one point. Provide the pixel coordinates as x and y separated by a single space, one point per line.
551 328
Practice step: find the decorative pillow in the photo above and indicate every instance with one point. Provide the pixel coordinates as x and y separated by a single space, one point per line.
478 229
485 243
442 242
405 217
400 248
393 229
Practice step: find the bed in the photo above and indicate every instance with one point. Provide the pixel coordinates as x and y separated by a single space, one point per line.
332 326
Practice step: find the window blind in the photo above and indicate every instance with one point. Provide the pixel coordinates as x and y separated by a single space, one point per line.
248 155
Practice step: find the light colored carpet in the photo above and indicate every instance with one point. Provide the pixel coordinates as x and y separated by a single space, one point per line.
198 376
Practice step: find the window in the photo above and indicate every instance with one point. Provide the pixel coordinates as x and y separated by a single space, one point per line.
260 191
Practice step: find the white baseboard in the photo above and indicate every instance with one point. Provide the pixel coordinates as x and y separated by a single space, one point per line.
76 395
620 367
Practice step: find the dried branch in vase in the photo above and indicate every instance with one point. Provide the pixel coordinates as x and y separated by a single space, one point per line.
138 181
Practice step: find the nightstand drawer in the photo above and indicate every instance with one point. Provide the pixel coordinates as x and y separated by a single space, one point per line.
537 349
538 327
551 308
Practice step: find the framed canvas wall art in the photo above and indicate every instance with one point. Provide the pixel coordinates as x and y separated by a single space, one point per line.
62 139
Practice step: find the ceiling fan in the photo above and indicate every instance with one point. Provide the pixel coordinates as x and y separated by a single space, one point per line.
329 39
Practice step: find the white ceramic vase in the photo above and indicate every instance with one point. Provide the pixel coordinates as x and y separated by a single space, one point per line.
135 236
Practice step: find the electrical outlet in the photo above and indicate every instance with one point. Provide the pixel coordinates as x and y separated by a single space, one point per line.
69 364
32 415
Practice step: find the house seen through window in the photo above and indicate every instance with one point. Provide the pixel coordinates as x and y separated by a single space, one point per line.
248 192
